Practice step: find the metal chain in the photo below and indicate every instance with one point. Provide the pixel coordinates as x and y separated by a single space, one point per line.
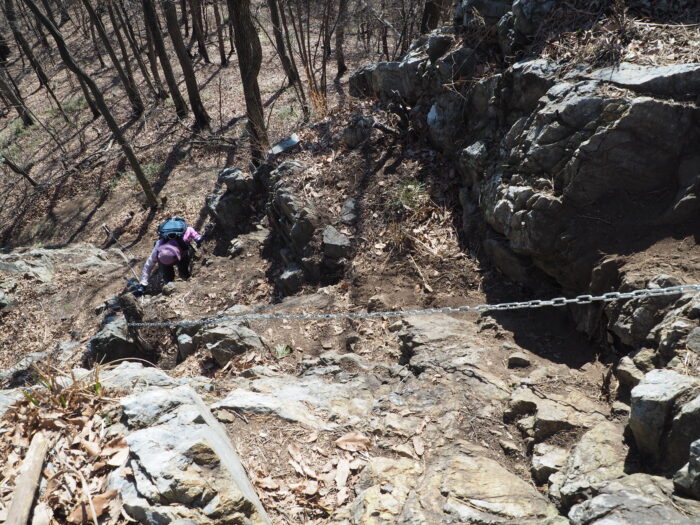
537 303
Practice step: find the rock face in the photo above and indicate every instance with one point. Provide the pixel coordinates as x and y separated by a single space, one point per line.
230 208
183 465
536 150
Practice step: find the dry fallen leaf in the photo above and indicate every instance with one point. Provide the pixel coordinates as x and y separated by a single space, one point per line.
118 459
295 452
353 442
308 487
90 447
267 483
311 437
342 496
403 450
342 473
297 467
81 513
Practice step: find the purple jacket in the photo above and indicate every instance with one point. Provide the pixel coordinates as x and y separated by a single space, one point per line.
190 235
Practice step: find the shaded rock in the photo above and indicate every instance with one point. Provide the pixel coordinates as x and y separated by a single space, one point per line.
687 479
676 80
652 401
490 10
693 340
237 181
627 373
358 131
519 360
598 457
546 460
291 279
335 244
348 213
378 303
113 342
5 300
227 339
685 429
637 499
530 80
513 266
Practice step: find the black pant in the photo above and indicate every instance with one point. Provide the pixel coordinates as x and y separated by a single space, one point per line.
184 267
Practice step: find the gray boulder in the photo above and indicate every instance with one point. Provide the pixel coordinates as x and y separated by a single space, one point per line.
490 10
227 339
358 131
652 403
547 460
685 429
175 439
598 457
237 181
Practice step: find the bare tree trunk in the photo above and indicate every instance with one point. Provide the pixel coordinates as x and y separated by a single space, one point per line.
153 31
289 69
17 169
14 98
340 39
24 46
64 12
91 103
249 61
299 86
197 30
127 79
185 20
431 15
220 34
116 26
201 118
96 45
153 64
151 199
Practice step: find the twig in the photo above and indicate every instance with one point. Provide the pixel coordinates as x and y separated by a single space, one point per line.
425 281
86 491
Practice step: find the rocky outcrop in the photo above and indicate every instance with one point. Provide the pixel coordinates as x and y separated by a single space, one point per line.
227 339
230 205
114 342
181 462
687 479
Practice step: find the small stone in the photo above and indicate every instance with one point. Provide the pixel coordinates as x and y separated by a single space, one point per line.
509 447
235 248
395 327
693 340
169 288
627 372
291 279
351 339
335 244
185 346
348 214
518 360
377 303
546 460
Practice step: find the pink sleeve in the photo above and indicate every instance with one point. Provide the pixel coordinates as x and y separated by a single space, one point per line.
149 264
190 234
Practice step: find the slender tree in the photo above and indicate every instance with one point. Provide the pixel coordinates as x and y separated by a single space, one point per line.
125 75
249 53
154 35
22 43
197 29
201 118
70 62
282 52
220 34
431 15
340 38
13 98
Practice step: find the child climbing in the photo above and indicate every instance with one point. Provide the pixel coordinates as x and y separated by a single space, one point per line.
172 248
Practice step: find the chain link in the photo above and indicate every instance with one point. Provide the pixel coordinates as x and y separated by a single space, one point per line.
480 308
